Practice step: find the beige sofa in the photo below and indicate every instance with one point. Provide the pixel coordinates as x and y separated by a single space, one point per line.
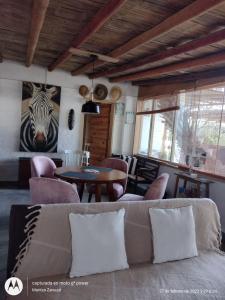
201 277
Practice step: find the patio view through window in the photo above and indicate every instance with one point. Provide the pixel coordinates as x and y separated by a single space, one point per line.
193 135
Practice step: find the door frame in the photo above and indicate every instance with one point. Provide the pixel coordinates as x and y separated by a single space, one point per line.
110 131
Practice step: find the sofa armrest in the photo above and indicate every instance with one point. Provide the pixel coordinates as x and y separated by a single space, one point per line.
17 222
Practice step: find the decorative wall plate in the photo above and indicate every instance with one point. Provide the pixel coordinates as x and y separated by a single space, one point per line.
100 92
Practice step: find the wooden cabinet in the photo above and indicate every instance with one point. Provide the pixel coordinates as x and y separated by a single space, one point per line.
25 172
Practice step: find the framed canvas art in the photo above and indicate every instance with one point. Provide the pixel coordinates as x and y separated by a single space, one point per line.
39 117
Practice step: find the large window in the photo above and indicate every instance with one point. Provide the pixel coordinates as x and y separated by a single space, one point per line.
193 135
162 133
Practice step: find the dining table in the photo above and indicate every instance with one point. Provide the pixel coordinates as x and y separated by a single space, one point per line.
92 175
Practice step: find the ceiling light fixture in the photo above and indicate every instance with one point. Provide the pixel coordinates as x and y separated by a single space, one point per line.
91 107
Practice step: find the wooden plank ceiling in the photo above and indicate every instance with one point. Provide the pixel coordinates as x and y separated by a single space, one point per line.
152 40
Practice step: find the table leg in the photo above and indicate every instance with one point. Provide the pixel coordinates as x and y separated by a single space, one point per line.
98 193
176 187
110 192
81 190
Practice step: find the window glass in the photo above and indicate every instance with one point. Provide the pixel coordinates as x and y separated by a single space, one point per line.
185 127
147 105
220 153
163 124
144 122
208 129
162 135
145 133
193 135
165 102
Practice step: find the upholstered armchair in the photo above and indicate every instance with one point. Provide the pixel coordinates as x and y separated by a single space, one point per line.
155 191
48 190
42 166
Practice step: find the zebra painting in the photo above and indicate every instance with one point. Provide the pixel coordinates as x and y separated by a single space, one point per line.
40 117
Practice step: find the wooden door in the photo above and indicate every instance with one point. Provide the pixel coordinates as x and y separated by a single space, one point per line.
98 133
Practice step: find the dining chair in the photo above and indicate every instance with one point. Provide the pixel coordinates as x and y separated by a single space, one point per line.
118 188
42 166
155 191
48 190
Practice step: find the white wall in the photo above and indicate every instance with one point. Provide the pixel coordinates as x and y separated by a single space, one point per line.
217 191
11 76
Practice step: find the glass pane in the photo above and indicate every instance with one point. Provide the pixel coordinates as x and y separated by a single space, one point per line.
220 155
144 134
163 128
144 105
166 101
198 127
162 135
147 105
208 128
185 127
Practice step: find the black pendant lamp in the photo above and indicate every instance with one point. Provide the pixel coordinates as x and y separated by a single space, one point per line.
91 107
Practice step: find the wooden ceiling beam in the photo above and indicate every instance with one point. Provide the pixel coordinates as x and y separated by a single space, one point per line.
39 10
94 25
167 69
165 80
212 38
85 53
181 78
174 84
189 12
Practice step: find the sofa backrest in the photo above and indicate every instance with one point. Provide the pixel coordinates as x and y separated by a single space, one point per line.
138 232
52 229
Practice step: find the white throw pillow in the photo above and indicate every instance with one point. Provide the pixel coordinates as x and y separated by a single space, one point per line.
98 243
173 232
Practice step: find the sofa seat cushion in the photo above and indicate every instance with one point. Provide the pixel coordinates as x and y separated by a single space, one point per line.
131 197
197 278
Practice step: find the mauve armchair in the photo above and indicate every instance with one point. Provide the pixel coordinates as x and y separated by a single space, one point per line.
48 190
42 166
155 191
118 188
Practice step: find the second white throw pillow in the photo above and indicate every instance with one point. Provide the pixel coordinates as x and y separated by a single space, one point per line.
173 232
98 243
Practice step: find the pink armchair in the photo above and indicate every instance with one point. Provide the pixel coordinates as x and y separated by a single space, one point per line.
42 166
156 190
118 188
48 190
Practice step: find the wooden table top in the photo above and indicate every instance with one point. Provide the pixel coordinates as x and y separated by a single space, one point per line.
199 179
100 177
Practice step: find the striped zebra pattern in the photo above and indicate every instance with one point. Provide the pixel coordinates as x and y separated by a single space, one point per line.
39 123
132 163
26 136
